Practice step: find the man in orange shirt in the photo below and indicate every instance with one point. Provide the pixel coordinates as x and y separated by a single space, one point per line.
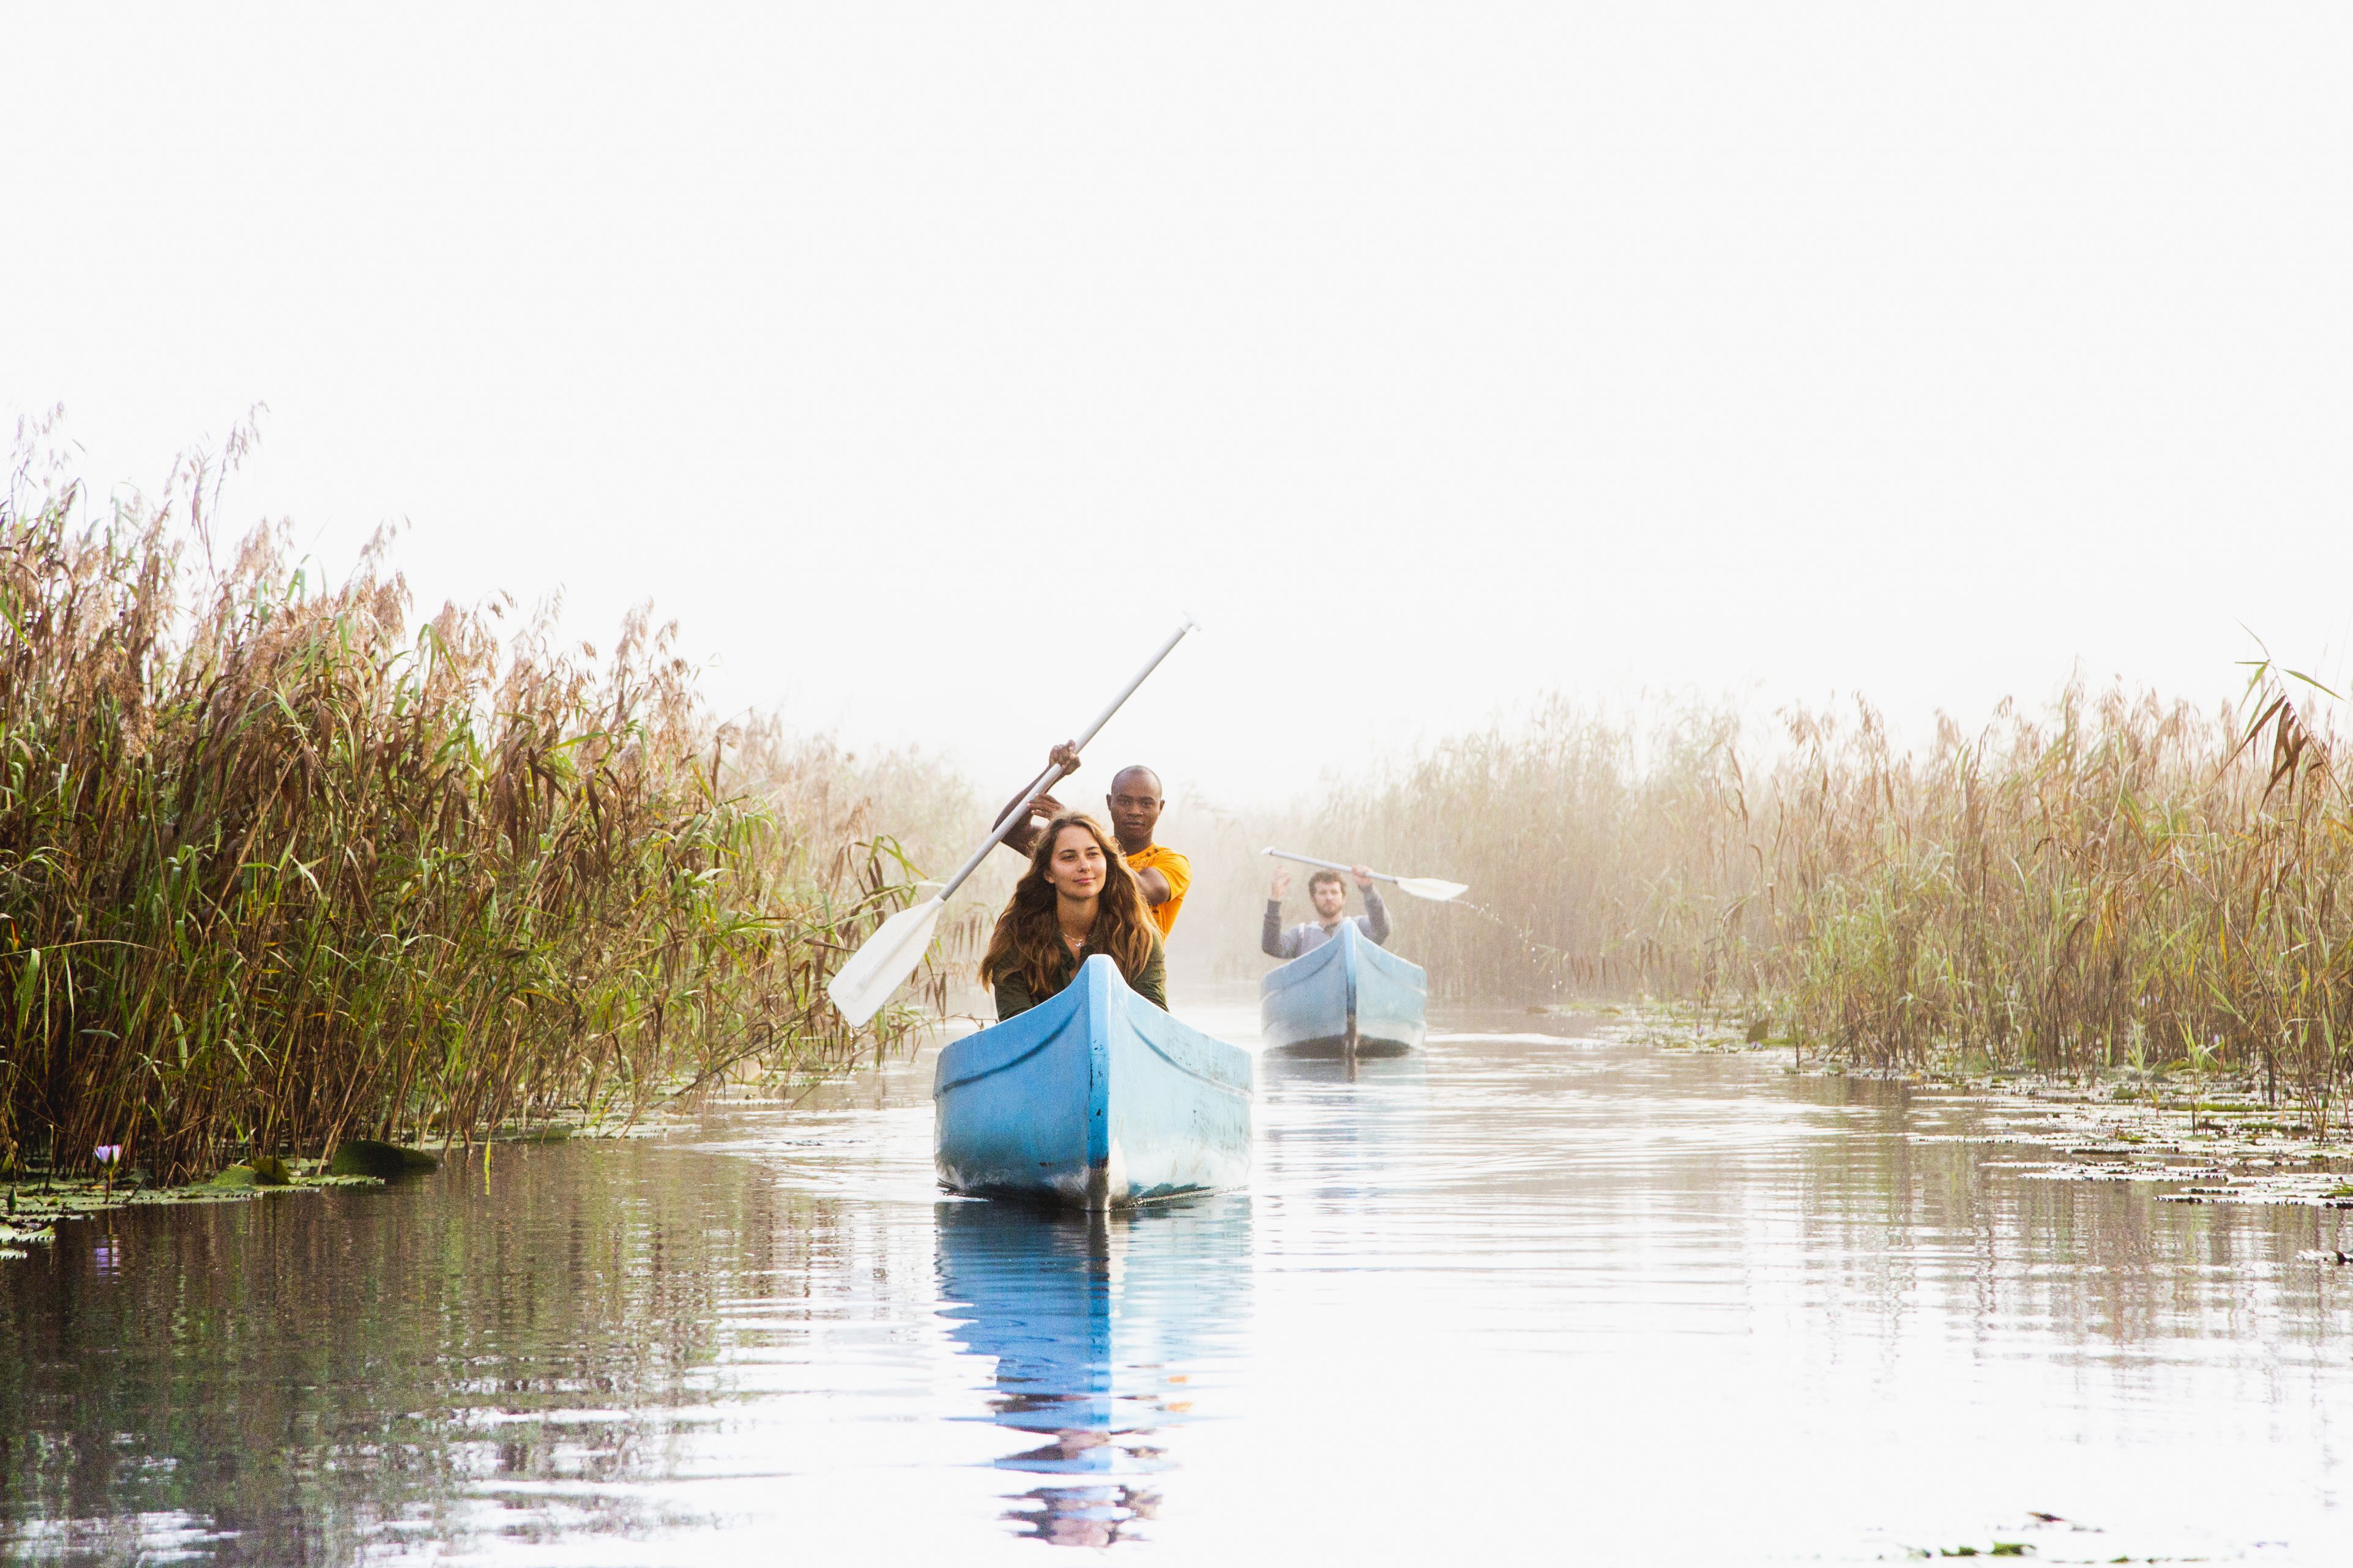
1135 806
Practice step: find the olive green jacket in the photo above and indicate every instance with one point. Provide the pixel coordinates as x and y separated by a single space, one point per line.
1013 991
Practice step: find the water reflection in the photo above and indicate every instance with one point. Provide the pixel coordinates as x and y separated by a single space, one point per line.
1539 1295
1345 1130
1374 1072
1101 1328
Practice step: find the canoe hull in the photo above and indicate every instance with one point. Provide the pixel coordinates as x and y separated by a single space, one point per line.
1094 1098
1312 1005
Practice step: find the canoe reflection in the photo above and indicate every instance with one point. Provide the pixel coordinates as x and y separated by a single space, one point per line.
1358 1123
1407 1075
1100 1325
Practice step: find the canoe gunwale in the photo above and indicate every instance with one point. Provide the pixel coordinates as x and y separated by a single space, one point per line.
992 1070
1304 970
1223 1086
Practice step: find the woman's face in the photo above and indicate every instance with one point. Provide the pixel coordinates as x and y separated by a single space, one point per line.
1076 868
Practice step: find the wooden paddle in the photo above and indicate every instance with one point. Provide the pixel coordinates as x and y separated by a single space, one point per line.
882 963
1429 888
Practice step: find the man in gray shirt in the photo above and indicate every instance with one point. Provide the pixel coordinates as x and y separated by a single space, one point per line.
1329 895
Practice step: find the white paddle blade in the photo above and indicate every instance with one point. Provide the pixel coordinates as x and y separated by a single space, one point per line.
882 964
1430 888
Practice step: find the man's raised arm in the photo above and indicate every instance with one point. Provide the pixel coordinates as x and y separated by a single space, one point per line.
1273 943
1377 913
1023 839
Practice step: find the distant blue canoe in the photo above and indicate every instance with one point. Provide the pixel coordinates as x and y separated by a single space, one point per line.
1349 987
1094 1098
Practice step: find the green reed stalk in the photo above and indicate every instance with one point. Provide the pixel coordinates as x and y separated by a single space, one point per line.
276 870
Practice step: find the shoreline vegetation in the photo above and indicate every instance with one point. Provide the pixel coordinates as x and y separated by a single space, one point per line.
279 868
2118 884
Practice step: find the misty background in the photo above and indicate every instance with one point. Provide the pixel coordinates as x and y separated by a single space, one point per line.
926 364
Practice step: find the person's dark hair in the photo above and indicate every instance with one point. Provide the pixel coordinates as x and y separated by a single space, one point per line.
1327 875
1027 941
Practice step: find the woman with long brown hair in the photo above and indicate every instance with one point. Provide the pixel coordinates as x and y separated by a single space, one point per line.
1078 898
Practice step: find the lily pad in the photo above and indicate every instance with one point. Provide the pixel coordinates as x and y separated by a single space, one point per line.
261 1171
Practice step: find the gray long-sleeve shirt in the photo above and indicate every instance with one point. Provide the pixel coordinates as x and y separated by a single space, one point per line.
1312 934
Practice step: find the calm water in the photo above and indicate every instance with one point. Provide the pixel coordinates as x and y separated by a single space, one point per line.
1538 1298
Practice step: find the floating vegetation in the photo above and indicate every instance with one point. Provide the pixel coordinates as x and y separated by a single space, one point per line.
35 1208
16 1236
260 1172
281 867
36 1200
1686 1027
2216 1138
2219 1142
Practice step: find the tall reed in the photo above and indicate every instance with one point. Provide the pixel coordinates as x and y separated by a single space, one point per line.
2115 881
278 868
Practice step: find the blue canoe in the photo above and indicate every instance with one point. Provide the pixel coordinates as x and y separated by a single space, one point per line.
1094 1097
1349 989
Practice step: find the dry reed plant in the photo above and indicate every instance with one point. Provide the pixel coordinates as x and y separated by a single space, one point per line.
276 871
824 795
2117 883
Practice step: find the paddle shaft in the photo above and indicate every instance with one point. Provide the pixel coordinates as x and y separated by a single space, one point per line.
1328 865
1055 771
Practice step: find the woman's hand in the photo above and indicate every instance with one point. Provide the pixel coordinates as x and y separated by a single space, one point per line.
1282 886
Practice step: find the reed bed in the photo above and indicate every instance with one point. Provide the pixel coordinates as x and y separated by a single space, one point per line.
277 867
2116 882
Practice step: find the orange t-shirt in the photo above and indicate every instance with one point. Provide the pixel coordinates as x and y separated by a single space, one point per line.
1175 870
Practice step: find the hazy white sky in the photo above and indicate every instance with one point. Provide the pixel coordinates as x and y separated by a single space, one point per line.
924 361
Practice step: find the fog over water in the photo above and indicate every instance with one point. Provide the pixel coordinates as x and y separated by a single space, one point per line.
1454 356
1539 1297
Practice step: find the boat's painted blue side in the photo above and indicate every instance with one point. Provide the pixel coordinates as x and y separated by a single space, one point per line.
1094 1097
1306 1002
1307 1005
1392 998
